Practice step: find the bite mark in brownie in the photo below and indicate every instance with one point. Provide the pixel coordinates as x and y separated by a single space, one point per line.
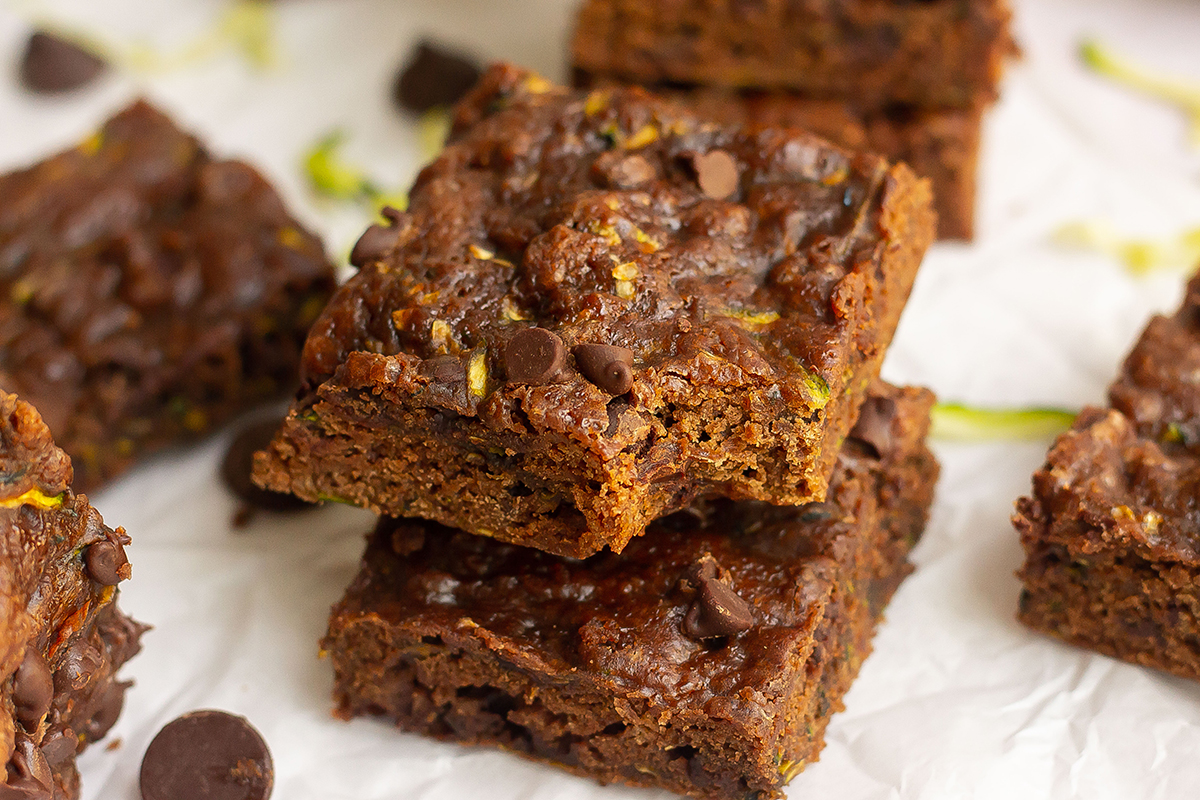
149 291
753 323
1111 529
62 637
705 659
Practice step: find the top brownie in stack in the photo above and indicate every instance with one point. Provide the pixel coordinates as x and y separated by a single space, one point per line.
1111 530
149 291
594 312
947 53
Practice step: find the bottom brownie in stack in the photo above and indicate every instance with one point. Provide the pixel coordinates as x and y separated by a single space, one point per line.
706 658
62 637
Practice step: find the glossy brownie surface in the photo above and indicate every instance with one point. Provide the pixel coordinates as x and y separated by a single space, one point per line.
150 290
62 637
752 281
635 667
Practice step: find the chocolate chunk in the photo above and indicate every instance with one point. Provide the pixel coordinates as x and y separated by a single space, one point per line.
716 172
534 355
33 688
239 461
433 77
52 64
607 366
373 245
444 369
207 755
874 426
717 610
58 746
106 562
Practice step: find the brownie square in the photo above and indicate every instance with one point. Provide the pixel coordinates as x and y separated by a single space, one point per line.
1110 531
944 53
62 637
705 659
150 292
598 308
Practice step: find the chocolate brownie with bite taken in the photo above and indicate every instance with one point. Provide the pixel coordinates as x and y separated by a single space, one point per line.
597 309
62 637
150 291
705 659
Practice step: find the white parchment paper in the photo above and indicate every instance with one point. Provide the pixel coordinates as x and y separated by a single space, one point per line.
957 700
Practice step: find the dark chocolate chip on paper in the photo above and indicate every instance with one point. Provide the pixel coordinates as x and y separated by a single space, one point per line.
607 366
207 755
432 77
534 355
52 64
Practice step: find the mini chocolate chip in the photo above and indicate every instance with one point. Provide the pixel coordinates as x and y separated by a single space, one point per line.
106 562
433 77
716 173
207 755
443 369
534 355
33 688
817 512
607 366
52 64
238 464
874 426
717 610
373 245
60 745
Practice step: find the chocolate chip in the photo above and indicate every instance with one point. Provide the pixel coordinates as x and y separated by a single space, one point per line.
717 610
52 64
373 245
534 355
29 775
106 562
874 426
81 664
433 77
443 369
108 708
33 688
817 512
716 172
58 746
239 463
207 755
607 366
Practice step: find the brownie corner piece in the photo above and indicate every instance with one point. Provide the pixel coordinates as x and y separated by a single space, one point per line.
597 308
150 291
62 637
706 659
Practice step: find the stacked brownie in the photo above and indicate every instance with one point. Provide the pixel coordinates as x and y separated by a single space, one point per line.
1111 530
612 380
910 80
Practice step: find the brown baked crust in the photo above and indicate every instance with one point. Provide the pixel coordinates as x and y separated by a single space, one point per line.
151 291
53 609
1112 549
944 53
755 323
587 664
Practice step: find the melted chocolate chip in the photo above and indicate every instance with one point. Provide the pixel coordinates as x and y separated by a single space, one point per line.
874 426
107 711
716 173
373 245
207 755
239 463
33 688
80 665
433 77
106 562
717 610
58 746
52 64
444 369
534 355
28 772
607 366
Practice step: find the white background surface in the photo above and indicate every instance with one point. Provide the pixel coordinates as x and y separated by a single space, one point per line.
958 700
